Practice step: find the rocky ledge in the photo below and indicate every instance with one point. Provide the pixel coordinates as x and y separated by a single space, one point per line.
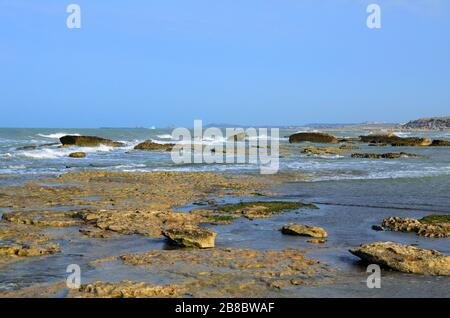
429 226
404 258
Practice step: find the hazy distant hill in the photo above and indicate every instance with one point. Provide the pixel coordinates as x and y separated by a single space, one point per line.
436 123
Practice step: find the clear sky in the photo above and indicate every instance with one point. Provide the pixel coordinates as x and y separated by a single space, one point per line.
256 62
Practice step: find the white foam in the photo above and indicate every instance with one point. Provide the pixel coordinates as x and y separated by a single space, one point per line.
57 135
165 136
53 153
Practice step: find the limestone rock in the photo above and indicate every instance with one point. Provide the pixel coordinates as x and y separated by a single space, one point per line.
395 140
317 137
421 227
191 236
304 230
150 145
77 154
404 258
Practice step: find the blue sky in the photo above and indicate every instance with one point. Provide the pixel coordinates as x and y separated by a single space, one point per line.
256 62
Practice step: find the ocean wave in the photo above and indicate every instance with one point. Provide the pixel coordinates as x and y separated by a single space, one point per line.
164 136
57 135
53 153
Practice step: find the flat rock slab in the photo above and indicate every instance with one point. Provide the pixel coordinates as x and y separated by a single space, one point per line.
404 258
304 230
191 237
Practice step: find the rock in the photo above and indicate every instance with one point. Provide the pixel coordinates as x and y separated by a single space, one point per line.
304 230
78 154
386 155
404 258
190 236
423 227
150 145
24 250
317 137
434 123
43 218
328 150
395 140
377 228
238 137
128 289
262 209
31 147
316 241
88 141
440 143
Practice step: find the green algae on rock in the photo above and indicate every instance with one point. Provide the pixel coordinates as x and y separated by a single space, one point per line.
262 209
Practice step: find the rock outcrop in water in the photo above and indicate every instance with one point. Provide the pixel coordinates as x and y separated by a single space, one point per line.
78 154
440 143
311 150
395 140
150 145
304 230
190 236
317 137
88 141
434 123
386 155
431 226
404 258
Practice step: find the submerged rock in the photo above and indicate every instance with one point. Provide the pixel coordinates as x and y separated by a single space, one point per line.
431 226
389 155
404 258
78 154
191 236
88 141
317 137
262 209
150 145
304 230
